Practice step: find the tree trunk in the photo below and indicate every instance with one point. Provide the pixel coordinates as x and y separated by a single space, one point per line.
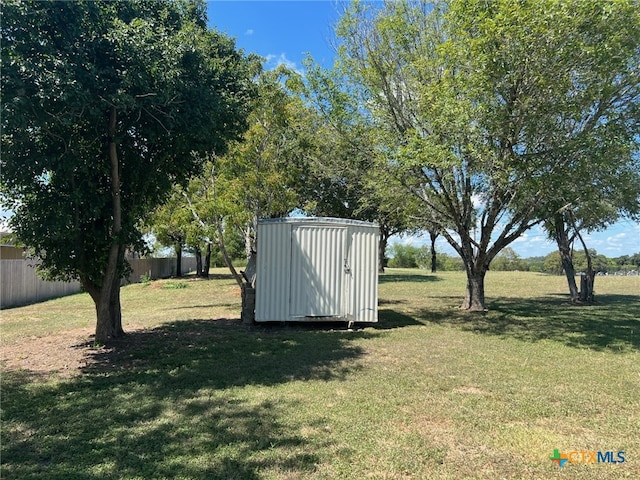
226 258
382 249
564 248
587 281
248 241
586 288
107 296
198 254
433 235
476 264
105 330
115 309
206 265
178 248
474 298
107 299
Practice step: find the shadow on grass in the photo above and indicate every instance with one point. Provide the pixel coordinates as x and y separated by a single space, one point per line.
389 319
172 403
206 305
219 276
612 324
402 277
384 301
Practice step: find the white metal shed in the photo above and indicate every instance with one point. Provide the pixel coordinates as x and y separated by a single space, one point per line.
316 269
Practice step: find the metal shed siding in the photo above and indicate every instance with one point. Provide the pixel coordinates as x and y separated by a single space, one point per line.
317 271
274 266
310 268
364 267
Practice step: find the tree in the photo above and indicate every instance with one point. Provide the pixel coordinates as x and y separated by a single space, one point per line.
403 256
434 233
169 223
349 176
172 224
206 198
262 169
553 264
605 190
104 104
597 179
259 174
604 171
508 261
627 262
477 96
380 198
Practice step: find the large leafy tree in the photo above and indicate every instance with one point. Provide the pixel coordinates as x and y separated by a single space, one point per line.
348 175
104 107
259 174
491 103
263 169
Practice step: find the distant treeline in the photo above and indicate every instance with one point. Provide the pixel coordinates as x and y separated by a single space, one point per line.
409 256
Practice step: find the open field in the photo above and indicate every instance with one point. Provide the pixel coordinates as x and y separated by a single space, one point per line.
429 393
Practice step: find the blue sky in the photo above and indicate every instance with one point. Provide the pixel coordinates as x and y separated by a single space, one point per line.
279 31
286 31
623 238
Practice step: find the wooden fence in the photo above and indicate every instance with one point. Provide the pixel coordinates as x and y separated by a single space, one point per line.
19 284
158 268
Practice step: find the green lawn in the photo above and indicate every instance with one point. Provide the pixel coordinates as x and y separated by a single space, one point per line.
430 392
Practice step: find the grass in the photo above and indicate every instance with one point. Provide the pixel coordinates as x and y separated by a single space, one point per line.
428 392
144 305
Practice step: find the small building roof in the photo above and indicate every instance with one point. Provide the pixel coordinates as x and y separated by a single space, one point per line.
318 221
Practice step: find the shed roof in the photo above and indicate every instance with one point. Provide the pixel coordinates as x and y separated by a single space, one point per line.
318 221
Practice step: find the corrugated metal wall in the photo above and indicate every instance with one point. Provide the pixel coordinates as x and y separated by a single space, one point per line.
311 268
364 268
317 271
273 267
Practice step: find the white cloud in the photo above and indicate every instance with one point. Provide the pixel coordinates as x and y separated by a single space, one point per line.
273 61
618 237
249 32
522 238
614 243
413 240
592 240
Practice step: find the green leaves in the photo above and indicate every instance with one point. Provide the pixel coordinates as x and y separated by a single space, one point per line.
488 104
177 89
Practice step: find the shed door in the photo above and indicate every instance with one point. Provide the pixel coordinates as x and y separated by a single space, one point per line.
318 271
